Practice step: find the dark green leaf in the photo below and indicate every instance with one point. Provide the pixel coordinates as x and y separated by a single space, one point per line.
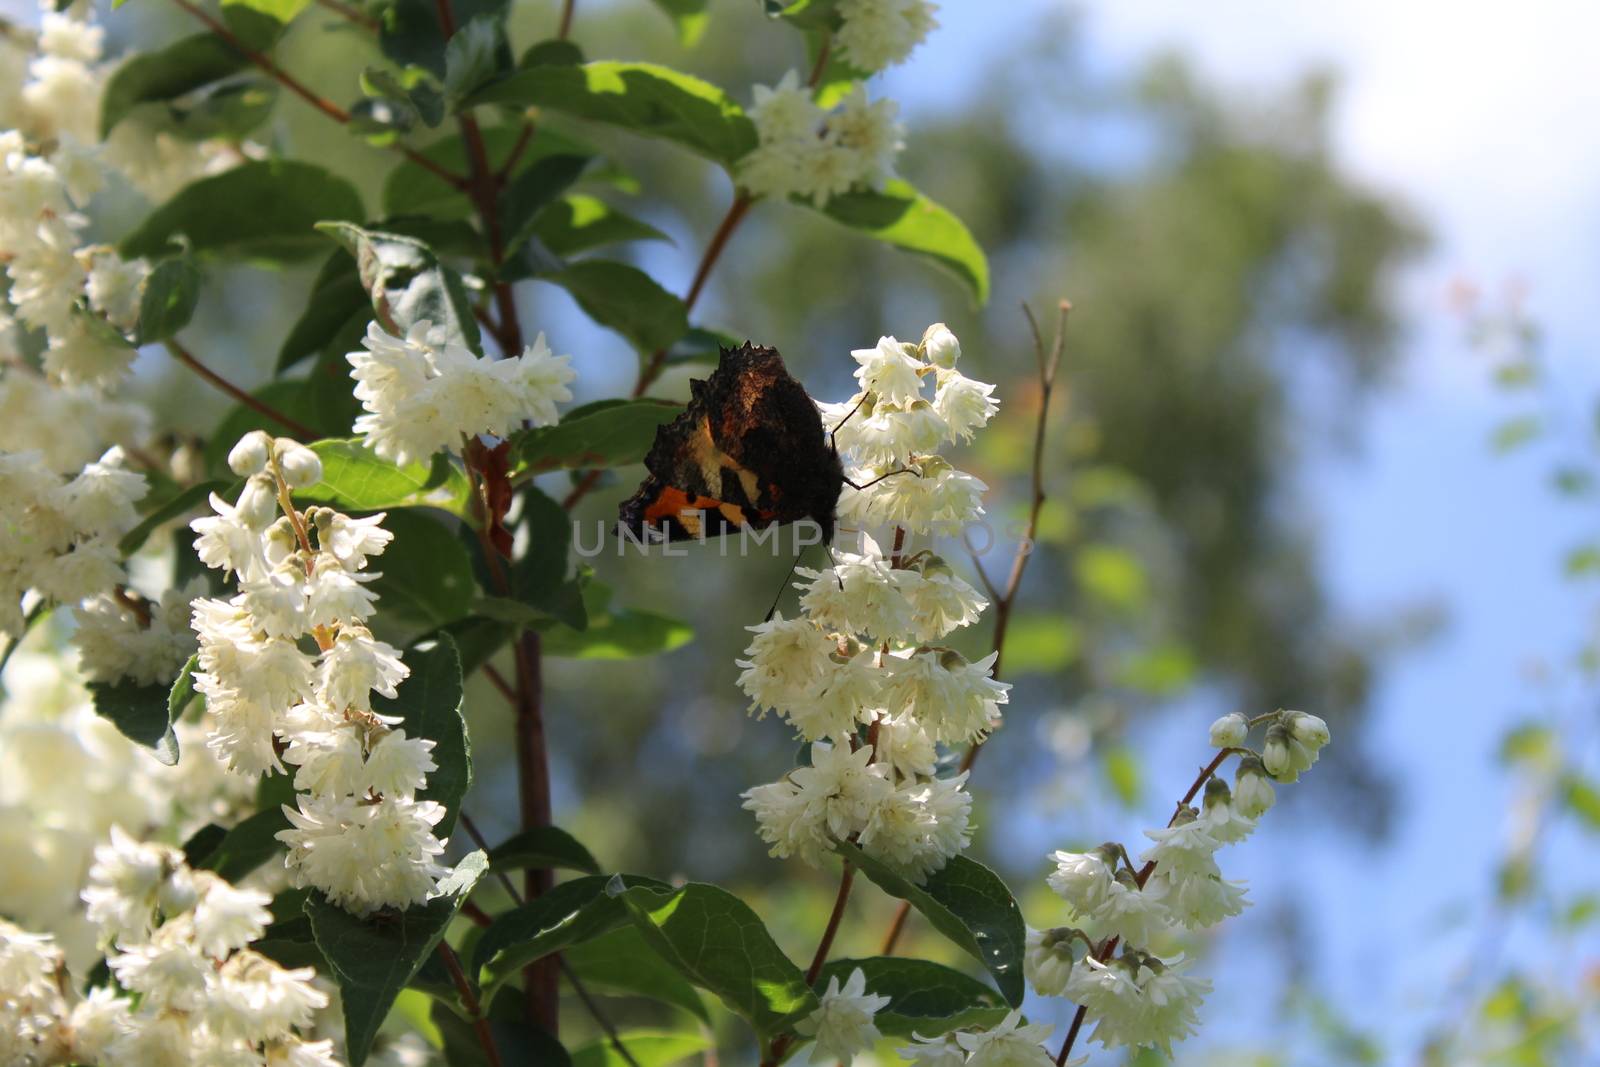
543 847
285 199
578 222
517 1041
533 190
613 436
167 73
141 712
428 703
183 503
540 578
247 846
715 940
281 11
569 914
646 1048
337 296
426 574
183 690
621 962
901 216
411 33
202 843
925 998
407 283
411 189
170 295
688 17
474 57
966 902
227 112
643 98
623 298
701 345
355 479
552 52
374 958
625 634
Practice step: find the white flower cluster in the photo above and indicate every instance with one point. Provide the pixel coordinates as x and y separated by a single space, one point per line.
805 151
61 533
423 393
842 1025
874 34
892 425
856 675
128 637
67 776
177 943
359 833
1010 1044
1138 998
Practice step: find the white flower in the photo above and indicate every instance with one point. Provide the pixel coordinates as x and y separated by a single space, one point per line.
78 354
1252 791
1197 899
357 665
124 884
226 541
940 347
875 34
250 454
277 602
1047 961
331 762
860 594
115 286
335 596
1307 729
965 404
1128 912
351 541
1183 848
398 765
788 657
942 602
1284 756
845 696
920 825
905 746
257 506
1221 818
168 969
1082 879
801 151
300 467
365 856
1229 731
227 918
1138 1000
942 1051
1011 1044
257 1000
890 371
842 1024
953 699
114 643
831 799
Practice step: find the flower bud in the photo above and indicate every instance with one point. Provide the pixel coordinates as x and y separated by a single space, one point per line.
249 456
1217 792
1229 731
940 347
299 465
1048 960
258 502
1277 756
1309 730
1252 790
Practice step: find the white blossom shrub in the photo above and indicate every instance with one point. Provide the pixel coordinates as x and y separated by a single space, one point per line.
236 753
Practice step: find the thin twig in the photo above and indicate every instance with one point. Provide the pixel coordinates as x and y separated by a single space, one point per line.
819 959
565 29
182 355
299 88
34 614
360 18
472 831
469 1000
594 1011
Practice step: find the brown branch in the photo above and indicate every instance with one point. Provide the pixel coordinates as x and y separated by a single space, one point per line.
360 18
847 877
821 65
595 1013
1049 362
299 88
565 29
469 1000
260 407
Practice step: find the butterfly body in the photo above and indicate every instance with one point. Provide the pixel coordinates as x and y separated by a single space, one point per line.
748 452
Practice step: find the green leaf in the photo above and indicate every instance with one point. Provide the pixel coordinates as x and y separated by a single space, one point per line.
623 298
226 112
568 914
1515 432
900 216
411 189
411 33
374 958
263 211
540 578
615 435
543 847
142 712
688 17
966 902
426 572
247 846
475 56
720 945
625 634
1582 797
1122 771
407 283
168 302
167 73
518 1041
925 998
294 398
578 222
620 962
183 690
428 704
533 190
647 1048
337 297
643 98
182 503
280 11
355 479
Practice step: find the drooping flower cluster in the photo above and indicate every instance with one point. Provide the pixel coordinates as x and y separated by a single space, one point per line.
424 393
192 991
805 151
67 776
859 674
359 832
61 533
1137 998
1010 1044
123 636
875 34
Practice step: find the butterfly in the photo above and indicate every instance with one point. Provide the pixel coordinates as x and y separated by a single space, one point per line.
748 452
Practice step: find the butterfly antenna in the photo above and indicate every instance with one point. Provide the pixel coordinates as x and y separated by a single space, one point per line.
833 434
792 568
